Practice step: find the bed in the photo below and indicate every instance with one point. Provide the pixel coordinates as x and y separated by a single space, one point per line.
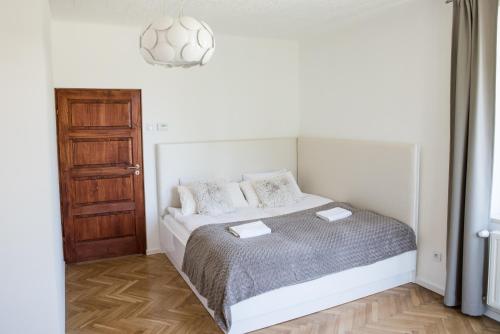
232 158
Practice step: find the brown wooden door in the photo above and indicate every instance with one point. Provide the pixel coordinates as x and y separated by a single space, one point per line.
100 172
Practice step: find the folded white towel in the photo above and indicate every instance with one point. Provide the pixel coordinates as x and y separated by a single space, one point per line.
334 214
250 230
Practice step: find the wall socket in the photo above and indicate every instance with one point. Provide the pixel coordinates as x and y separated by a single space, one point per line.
437 256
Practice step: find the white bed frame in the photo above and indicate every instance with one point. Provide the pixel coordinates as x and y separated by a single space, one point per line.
392 169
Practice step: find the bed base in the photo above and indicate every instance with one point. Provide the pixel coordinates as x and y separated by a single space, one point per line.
296 301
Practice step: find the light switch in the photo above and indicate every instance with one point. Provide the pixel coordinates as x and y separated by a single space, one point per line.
150 127
162 126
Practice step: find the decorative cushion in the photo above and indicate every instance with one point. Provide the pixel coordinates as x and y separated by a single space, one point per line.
276 191
212 198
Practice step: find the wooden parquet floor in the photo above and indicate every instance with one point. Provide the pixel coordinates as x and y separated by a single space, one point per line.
140 294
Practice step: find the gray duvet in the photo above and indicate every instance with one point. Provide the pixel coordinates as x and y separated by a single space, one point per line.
226 270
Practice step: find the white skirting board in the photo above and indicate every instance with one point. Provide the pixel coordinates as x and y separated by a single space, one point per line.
493 314
302 299
490 312
154 251
430 286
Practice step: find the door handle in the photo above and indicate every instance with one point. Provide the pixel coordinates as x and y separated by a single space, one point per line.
136 167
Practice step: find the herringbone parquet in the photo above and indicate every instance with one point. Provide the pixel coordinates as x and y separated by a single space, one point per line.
140 294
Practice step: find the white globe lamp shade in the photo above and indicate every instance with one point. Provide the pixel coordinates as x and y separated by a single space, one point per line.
177 42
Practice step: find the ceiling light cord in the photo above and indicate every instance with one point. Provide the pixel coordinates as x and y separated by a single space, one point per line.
180 12
181 8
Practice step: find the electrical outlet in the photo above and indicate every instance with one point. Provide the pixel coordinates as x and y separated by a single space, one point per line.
437 256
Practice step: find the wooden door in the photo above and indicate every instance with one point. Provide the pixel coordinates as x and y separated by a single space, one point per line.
100 172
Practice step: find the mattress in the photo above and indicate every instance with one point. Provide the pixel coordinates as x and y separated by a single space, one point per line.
183 226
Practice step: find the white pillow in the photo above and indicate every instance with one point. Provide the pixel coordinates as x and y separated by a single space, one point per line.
260 176
294 184
250 194
236 195
212 198
188 204
276 192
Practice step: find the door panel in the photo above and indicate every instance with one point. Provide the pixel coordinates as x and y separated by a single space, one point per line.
101 179
103 226
103 189
104 208
100 114
102 152
98 249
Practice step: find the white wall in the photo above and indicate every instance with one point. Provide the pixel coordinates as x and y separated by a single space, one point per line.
32 277
249 90
386 78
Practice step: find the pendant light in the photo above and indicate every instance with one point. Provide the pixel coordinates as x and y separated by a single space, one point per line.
182 41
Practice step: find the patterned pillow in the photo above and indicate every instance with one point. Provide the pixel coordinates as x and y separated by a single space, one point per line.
212 198
276 191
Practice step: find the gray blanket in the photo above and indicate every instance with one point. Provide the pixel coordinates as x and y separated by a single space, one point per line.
226 270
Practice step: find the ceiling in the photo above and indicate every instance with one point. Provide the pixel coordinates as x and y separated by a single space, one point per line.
289 19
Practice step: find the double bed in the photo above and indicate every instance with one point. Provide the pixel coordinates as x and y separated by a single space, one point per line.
307 294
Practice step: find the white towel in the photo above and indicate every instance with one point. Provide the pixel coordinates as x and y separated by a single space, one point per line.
334 214
250 230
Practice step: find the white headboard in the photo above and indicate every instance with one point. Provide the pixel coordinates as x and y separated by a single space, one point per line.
218 159
383 177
